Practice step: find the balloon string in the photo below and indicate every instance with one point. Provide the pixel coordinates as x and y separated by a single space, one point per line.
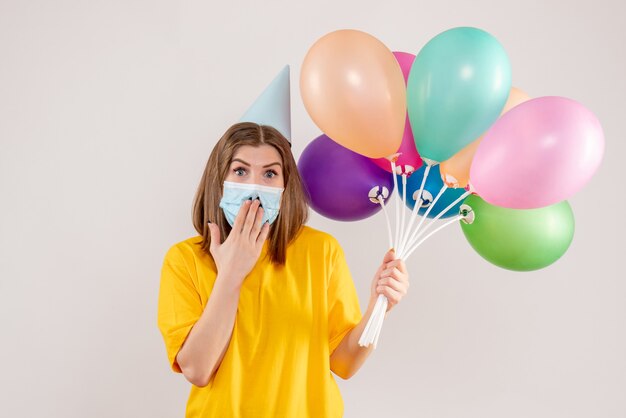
381 200
379 326
376 320
439 215
371 327
450 222
418 204
372 330
395 186
373 322
366 336
403 211
425 215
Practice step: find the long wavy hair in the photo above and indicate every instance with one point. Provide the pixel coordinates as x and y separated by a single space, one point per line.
293 212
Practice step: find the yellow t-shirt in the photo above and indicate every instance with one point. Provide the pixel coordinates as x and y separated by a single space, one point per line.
289 321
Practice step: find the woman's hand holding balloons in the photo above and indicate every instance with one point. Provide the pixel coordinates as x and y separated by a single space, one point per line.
391 279
451 104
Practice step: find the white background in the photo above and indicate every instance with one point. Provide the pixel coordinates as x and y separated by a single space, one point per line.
108 112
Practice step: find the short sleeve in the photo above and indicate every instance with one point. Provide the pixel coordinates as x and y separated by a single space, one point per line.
344 311
179 304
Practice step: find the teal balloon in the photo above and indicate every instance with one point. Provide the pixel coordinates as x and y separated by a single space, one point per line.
457 88
518 239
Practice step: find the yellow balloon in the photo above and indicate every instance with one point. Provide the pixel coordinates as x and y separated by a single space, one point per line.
455 170
353 89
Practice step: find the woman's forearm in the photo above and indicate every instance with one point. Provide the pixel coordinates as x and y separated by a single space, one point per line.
391 280
349 356
204 348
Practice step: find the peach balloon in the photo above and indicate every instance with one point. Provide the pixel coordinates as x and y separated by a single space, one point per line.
455 170
353 88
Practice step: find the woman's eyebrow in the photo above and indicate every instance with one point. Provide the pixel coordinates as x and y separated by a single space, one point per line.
248 164
241 161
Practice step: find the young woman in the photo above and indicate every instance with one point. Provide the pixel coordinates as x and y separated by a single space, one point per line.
259 308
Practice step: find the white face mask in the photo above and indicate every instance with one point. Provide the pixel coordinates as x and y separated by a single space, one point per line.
236 193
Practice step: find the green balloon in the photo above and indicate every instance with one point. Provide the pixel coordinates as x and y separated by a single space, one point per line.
518 239
457 87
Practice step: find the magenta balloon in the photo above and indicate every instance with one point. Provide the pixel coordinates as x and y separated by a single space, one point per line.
409 156
539 153
405 60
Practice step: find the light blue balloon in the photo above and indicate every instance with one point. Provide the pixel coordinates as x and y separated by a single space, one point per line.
431 189
457 88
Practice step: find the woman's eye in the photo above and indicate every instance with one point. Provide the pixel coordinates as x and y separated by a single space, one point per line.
239 171
271 173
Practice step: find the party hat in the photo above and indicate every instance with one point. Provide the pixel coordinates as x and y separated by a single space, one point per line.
273 106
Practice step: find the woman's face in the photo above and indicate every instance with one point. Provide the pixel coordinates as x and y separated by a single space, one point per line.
258 165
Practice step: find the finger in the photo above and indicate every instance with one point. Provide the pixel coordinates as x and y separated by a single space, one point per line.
399 263
215 236
265 230
256 227
389 256
390 272
241 216
392 295
400 277
250 218
396 285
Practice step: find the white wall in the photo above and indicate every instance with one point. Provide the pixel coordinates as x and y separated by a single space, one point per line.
108 112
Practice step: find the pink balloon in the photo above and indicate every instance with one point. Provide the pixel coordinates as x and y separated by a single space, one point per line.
406 61
409 156
539 153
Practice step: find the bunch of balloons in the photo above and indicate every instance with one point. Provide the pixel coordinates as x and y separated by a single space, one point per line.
459 140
